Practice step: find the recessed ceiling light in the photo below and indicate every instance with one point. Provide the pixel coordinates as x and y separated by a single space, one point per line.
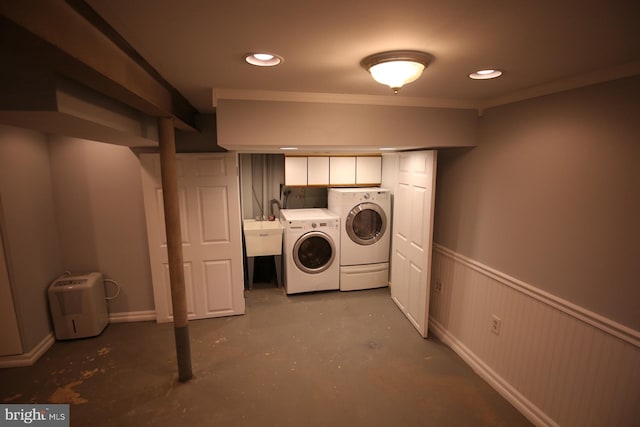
263 56
288 148
485 74
263 59
387 148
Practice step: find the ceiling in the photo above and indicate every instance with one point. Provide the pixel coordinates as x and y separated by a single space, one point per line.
198 46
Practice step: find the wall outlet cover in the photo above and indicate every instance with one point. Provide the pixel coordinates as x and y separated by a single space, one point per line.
496 323
438 286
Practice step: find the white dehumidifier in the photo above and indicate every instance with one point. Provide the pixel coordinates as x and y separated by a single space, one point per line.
78 306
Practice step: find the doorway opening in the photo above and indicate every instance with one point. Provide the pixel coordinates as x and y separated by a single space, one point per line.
262 195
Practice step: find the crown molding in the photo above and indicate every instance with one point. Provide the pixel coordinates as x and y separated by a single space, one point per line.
595 77
339 98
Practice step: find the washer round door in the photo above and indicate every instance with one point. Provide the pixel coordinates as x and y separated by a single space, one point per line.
314 252
366 223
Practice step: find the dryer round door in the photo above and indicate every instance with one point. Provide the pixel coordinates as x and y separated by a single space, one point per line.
366 223
314 252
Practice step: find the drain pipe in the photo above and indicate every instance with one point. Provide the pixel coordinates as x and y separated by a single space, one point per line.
265 186
174 246
277 203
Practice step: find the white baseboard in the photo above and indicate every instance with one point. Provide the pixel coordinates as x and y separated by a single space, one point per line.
28 359
528 409
132 316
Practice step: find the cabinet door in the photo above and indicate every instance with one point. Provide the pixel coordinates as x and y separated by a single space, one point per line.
295 171
342 170
368 170
317 170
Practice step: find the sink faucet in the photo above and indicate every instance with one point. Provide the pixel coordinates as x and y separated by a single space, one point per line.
277 203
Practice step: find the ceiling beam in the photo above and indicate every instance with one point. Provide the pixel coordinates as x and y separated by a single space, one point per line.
85 53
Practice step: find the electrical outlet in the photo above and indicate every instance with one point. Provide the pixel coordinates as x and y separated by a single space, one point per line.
438 286
496 322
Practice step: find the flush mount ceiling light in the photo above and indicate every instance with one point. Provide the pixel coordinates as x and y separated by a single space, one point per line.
485 74
396 68
263 59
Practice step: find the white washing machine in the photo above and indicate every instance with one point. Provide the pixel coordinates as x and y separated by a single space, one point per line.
311 250
365 217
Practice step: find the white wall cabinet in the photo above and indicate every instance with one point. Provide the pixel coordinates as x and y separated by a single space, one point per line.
318 170
368 170
295 171
342 170
333 170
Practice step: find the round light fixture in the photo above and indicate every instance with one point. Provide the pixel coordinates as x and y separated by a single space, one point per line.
396 68
263 59
485 74
288 148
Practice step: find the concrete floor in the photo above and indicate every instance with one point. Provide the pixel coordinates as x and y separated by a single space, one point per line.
321 359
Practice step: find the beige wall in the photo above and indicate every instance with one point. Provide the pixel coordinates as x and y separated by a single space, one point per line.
31 234
76 205
100 216
551 196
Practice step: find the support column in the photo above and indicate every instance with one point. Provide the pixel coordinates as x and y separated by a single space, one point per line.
174 246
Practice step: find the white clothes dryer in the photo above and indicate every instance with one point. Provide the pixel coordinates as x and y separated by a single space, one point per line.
365 217
311 250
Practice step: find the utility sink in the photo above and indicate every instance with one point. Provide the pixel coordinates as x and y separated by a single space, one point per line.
262 237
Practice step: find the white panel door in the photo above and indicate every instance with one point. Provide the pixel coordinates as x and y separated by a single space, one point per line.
10 343
208 193
412 236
